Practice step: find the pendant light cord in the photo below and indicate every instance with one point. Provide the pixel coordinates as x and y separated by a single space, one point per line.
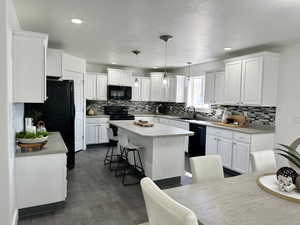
166 49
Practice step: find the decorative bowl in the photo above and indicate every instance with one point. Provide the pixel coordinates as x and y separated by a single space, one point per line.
32 140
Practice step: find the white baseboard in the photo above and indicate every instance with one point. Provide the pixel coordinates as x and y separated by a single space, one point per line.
15 218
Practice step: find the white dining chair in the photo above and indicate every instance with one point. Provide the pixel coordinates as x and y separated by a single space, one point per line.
206 168
263 161
162 209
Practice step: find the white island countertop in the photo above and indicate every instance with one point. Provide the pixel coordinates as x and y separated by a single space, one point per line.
158 130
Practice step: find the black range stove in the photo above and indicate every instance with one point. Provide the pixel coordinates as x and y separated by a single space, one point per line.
118 112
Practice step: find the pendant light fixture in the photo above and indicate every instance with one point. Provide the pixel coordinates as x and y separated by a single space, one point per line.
189 73
165 38
136 52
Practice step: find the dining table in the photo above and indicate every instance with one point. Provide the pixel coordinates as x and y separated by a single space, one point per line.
236 201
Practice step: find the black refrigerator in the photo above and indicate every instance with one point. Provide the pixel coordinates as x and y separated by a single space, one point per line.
58 113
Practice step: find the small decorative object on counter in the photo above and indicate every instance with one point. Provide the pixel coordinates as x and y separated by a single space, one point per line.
41 126
286 177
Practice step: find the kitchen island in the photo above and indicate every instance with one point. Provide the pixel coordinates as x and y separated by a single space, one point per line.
162 147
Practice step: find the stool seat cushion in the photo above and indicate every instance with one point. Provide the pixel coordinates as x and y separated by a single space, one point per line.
130 146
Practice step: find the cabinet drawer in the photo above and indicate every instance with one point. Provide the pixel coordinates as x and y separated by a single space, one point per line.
95 120
219 132
241 137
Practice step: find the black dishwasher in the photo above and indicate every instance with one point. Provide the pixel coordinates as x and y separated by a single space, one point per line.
198 141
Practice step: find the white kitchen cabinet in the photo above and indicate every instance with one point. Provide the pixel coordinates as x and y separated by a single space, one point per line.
156 90
29 73
177 89
214 88
240 157
252 79
209 95
101 91
73 63
96 86
41 178
211 145
225 151
232 89
219 87
54 62
91 134
141 92
145 89
119 77
96 130
90 86
235 147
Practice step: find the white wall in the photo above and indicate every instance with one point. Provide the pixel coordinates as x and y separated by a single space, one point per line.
8 210
288 110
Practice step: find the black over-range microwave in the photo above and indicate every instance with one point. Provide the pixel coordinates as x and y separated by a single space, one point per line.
119 92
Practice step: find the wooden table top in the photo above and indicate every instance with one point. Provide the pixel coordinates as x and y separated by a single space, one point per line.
236 201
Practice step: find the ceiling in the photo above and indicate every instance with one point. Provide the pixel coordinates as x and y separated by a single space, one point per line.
201 28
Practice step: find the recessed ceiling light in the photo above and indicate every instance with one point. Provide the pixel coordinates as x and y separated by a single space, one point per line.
76 21
227 49
154 67
113 63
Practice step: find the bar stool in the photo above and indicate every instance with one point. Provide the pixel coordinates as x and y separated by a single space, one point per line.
113 143
124 166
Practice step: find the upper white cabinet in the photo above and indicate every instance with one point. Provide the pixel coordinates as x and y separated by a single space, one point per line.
90 86
119 77
232 88
58 63
209 95
173 90
29 66
54 62
252 79
141 92
156 87
177 89
73 63
96 86
214 88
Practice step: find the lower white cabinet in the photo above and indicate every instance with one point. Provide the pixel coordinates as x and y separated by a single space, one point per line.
96 130
41 177
235 147
225 151
240 157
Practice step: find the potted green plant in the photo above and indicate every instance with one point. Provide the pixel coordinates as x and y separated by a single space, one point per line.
25 137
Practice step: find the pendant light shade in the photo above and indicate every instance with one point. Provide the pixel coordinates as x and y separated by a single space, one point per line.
136 52
188 74
165 38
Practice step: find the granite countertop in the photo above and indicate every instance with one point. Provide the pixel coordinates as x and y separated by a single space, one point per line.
246 130
158 130
55 145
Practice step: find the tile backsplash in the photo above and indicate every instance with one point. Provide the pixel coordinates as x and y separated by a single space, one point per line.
258 116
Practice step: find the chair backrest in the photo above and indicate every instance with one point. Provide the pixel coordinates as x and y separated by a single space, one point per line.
263 161
163 210
206 168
